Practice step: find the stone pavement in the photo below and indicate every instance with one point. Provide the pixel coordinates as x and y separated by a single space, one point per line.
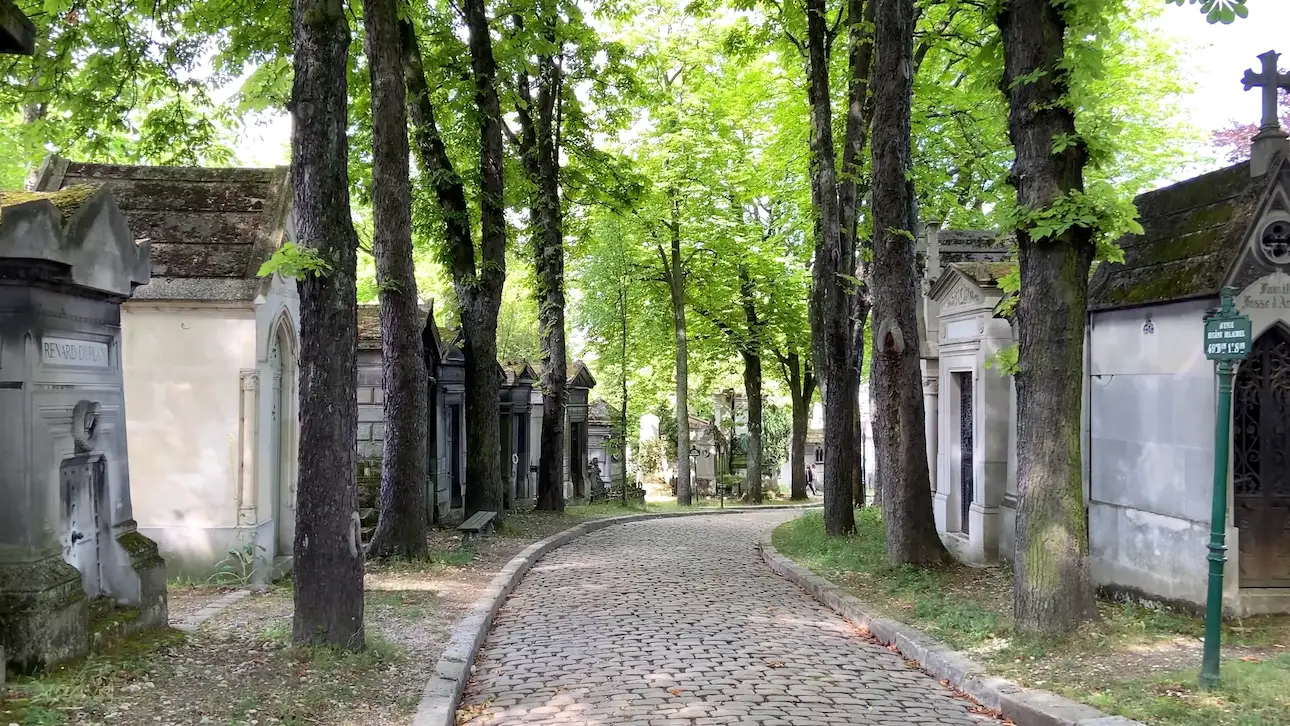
677 622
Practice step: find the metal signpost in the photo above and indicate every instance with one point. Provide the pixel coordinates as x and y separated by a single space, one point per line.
1227 340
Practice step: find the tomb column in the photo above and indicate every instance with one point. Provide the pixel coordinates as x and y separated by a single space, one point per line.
931 416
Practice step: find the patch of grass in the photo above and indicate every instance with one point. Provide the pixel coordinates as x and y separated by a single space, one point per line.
39 701
1251 694
405 604
437 560
1131 661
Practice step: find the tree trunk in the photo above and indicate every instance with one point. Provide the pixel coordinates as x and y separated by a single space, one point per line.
541 160
674 267
328 568
478 287
480 296
907 492
401 530
801 422
830 319
801 389
857 430
1052 590
751 353
752 390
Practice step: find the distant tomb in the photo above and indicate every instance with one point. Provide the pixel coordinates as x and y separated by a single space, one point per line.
68 540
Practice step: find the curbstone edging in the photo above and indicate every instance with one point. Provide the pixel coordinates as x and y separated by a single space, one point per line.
210 610
1023 706
442 693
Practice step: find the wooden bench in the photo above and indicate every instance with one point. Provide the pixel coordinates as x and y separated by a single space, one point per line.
479 523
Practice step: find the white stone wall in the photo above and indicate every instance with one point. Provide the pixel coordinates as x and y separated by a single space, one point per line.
1150 450
198 387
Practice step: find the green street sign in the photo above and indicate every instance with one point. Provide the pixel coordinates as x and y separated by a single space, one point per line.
1227 333
1227 338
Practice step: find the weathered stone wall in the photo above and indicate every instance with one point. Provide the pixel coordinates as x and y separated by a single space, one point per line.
371 407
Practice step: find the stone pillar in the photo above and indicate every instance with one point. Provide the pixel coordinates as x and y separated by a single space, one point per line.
931 416
67 532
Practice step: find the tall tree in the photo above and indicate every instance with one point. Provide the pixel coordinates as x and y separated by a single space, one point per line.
401 529
539 143
832 288
477 283
1052 588
328 568
906 489
674 269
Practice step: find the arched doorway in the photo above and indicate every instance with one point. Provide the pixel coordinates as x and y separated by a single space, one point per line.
1261 464
282 417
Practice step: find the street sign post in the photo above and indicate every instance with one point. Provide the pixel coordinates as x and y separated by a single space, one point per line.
1227 340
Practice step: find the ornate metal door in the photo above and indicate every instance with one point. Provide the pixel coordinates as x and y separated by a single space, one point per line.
1261 466
965 449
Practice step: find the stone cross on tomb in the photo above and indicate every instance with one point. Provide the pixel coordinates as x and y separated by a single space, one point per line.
1271 81
1270 142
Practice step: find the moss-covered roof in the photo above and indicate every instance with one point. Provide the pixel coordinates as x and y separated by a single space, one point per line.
67 200
202 223
1192 232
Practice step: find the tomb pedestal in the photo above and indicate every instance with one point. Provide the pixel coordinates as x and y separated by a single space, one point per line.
67 535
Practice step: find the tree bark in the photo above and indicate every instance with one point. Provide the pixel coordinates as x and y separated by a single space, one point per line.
829 308
857 430
674 267
541 160
401 530
478 287
480 294
751 350
907 495
1052 591
328 568
801 390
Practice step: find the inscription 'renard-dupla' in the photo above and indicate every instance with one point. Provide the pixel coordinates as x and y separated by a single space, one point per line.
1268 296
68 352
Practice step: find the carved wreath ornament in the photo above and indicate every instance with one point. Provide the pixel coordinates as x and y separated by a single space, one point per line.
85 425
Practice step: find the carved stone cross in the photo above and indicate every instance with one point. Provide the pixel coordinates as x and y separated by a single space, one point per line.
1271 81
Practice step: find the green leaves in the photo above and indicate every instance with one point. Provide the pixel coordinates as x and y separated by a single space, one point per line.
295 263
1218 11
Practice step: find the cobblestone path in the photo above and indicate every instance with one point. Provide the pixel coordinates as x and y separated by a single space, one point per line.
677 622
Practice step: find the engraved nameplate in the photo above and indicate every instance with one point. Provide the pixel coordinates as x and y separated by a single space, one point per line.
68 352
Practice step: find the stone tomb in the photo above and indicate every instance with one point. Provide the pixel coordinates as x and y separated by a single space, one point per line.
68 539
209 350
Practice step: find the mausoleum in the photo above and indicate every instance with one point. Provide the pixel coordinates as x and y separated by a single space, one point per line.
209 352
69 545
1150 404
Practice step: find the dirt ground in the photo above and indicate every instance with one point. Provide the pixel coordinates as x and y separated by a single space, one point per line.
239 669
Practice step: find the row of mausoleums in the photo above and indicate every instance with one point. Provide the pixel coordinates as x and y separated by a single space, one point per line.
208 351
1149 409
587 461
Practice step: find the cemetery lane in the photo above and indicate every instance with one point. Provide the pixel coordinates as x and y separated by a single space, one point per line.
677 621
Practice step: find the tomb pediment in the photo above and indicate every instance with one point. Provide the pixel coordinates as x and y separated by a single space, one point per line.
968 285
81 232
580 377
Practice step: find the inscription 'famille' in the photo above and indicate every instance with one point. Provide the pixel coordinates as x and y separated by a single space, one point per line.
1269 297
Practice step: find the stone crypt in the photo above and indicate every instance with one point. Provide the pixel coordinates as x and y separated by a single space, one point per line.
1148 417
68 539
